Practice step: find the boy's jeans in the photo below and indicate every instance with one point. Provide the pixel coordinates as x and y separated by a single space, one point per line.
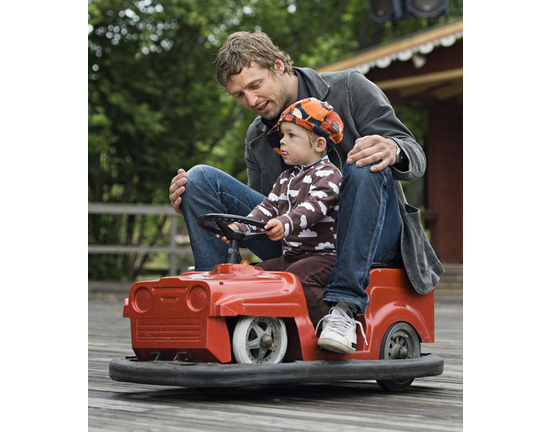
369 225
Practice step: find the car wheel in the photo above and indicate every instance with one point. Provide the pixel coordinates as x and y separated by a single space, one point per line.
259 340
400 342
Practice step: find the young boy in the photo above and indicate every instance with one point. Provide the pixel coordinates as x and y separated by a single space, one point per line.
302 208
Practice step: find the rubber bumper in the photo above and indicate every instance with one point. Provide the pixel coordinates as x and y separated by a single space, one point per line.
208 375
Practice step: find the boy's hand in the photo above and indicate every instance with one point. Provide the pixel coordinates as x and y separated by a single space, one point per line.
274 229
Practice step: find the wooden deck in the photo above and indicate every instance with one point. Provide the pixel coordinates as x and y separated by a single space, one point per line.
430 404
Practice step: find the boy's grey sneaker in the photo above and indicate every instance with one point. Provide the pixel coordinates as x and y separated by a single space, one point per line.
339 330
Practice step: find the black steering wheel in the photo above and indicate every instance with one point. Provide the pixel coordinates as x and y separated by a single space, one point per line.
235 237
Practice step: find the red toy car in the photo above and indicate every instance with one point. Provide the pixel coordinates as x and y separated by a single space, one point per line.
239 325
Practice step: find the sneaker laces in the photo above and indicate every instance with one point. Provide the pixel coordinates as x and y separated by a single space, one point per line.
341 324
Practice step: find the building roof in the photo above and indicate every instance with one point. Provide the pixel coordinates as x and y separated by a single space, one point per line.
401 49
398 67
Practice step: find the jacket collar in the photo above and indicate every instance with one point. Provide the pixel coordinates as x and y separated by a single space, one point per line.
317 86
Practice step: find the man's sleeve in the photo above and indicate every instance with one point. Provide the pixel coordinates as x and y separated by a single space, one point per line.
374 115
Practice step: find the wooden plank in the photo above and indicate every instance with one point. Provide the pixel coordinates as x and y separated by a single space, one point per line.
120 249
141 209
417 80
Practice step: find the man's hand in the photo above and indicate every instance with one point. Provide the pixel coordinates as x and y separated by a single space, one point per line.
372 148
177 189
274 229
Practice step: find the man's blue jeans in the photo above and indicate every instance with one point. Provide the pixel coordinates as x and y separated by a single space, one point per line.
369 225
369 228
209 190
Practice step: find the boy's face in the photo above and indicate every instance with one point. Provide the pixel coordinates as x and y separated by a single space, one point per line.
261 91
296 147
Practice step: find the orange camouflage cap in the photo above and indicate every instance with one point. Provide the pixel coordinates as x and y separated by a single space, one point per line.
312 114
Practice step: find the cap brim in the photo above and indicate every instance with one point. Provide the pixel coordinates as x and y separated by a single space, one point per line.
273 137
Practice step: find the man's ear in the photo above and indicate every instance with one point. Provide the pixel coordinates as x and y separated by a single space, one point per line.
279 66
320 145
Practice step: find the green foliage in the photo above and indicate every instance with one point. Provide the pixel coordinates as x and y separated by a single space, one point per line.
156 106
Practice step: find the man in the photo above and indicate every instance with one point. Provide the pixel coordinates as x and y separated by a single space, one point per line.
375 222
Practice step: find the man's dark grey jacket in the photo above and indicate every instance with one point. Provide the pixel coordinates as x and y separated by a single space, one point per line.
365 110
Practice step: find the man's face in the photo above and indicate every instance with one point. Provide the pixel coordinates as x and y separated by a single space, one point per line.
260 90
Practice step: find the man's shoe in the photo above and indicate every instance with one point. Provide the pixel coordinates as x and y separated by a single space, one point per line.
339 330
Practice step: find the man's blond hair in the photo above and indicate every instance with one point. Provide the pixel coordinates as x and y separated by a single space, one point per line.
242 48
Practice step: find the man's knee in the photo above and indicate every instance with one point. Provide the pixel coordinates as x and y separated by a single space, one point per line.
363 176
200 181
200 173
202 178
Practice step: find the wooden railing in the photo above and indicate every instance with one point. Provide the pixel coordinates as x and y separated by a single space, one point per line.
173 250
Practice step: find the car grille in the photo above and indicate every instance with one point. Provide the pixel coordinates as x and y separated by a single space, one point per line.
172 329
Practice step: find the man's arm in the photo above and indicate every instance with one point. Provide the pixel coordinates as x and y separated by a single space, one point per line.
382 133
